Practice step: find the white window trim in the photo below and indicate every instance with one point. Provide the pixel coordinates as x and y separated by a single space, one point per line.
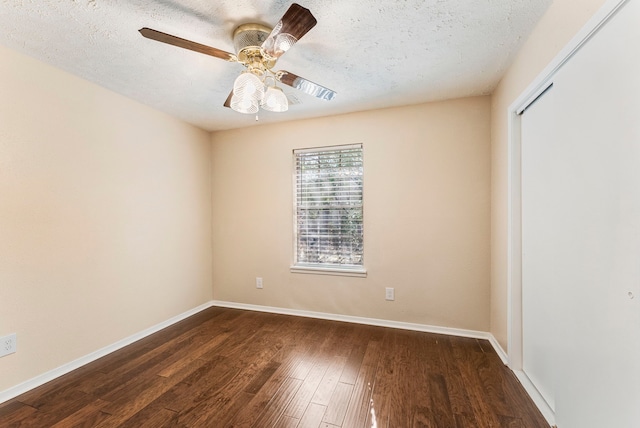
302 268
355 271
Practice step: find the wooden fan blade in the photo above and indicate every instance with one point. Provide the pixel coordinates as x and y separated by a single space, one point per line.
306 86
186 44
295 23
227 103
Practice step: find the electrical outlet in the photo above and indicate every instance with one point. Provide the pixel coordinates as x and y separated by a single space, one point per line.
7 345
258 282
389 293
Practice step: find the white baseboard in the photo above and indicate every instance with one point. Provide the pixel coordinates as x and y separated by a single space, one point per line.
537 398
75 364
499 350
474 334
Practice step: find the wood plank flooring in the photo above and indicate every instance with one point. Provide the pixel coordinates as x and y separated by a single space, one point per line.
233 368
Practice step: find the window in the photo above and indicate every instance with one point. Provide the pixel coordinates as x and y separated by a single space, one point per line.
328 210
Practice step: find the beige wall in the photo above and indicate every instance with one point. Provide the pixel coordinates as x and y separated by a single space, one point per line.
559 25
426 196
105 217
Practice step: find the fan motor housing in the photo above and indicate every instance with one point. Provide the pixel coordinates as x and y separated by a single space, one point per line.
247 40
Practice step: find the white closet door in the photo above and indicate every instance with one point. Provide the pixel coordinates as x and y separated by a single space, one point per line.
598 92
581 232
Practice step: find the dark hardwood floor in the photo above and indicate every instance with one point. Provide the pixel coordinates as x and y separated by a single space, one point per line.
233 368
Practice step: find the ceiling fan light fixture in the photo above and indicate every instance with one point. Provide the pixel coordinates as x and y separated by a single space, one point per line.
258 47
244 105
275 47
275 100
248 86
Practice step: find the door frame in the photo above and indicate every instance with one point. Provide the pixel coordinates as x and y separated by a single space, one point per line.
514 195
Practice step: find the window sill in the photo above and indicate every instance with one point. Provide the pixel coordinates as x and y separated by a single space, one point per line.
359 272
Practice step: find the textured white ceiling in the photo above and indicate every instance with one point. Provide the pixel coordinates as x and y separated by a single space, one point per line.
373 53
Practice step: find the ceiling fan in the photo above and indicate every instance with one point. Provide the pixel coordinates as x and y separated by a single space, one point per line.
258 48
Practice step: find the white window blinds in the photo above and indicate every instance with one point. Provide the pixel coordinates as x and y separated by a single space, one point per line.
328 204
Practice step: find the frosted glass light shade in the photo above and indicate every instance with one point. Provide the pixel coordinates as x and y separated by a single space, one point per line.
244 105
248 86
276 46
275 100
